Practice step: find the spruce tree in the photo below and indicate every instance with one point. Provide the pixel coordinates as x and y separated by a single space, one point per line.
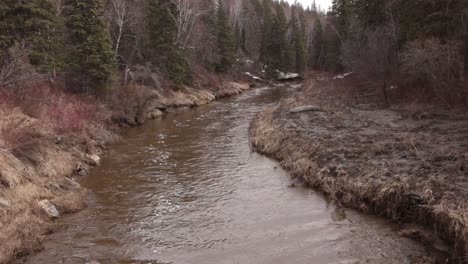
317 53
341 10
7 25
280 51
91 55
162 37
298 40
371 13
331 50
265 47
226 42
33 23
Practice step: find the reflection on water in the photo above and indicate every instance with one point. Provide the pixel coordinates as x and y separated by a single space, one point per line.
188 189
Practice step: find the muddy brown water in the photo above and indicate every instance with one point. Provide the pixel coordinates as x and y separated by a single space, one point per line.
188 189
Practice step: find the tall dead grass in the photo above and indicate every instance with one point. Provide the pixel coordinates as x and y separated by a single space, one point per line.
394 196
18 133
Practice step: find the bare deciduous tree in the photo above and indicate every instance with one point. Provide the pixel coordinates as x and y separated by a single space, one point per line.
15 66
188 13
59 7
122 18
434 64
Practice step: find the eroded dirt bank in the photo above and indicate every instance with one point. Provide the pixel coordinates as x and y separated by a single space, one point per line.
409 167
38 165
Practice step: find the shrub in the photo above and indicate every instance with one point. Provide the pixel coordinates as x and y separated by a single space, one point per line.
15 67
436 65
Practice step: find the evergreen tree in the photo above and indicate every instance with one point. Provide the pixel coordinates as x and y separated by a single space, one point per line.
317 47
7 29
337 34
442 19
226 41
370 13
91 53
314 7
162 32
265 47
331 50
298 40
33 23
341 10
279 52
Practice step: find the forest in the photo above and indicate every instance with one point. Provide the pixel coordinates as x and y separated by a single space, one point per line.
73 73
104 44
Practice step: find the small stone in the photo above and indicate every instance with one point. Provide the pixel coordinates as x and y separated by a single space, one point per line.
4 202
93 160
153 114
49 208
81 171
93 262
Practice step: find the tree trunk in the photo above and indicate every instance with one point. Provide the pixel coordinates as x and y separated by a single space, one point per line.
384 90
465 50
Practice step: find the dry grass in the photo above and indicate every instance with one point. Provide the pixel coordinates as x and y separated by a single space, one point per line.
185 97
231 88
46 133
335 152
18 133
355 90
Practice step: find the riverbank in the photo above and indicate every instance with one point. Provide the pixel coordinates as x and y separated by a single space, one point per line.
51 138
409 166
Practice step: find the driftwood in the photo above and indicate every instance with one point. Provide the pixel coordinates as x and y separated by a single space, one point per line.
306 108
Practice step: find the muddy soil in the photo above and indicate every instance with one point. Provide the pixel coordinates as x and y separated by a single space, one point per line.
410 167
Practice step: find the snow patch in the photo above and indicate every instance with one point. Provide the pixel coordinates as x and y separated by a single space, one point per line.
342 76
253 76
287 75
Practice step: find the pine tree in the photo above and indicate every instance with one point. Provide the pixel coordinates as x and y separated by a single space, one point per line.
298 40
370 13
33 23
91 53
280 51
7 28
226 41
331 50
341 9
162 32
314 7
317 52
417 19
265 47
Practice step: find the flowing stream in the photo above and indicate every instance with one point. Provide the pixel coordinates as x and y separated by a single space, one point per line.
188 189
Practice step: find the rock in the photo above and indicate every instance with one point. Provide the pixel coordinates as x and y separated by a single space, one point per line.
155 113
73 184
49 208
306 108
93 160
4 202
93 262
82 171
